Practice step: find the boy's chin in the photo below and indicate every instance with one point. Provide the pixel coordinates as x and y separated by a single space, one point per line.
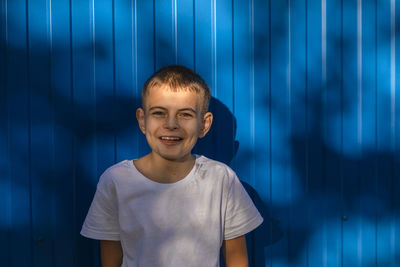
177 158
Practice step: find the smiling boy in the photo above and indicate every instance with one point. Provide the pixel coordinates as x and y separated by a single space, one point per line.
170 207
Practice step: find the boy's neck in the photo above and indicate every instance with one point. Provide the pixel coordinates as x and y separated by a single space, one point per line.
162 170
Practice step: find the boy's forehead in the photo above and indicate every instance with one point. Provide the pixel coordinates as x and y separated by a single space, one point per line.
161 93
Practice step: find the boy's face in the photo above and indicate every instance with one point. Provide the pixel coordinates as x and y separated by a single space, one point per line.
172 122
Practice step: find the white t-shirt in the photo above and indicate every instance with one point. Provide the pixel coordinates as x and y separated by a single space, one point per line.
177 224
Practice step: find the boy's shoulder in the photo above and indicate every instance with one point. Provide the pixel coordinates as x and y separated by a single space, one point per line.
201 159
120 169
214 166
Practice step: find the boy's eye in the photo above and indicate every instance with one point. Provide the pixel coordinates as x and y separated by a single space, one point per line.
186 115
157 113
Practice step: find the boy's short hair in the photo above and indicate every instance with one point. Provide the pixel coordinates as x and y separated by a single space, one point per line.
178 78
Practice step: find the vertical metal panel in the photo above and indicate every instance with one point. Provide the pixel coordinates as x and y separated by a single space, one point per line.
315 161
184 33
40 110
204 40
165 19
351 142
126 83
5 188
223 88
104 87
263 236
61 77
204 63
332 134
145 54
19 134
385 163
305 99
367 118
83 35
297 83
395 237
244 90
280 127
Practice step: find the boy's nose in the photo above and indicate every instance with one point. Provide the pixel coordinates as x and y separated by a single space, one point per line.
171 123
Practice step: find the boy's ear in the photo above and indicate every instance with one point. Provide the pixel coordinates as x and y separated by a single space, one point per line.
206 124
140 119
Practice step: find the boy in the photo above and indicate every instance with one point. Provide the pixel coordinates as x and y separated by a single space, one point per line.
170 207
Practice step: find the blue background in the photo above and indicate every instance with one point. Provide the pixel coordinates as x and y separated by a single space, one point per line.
306 103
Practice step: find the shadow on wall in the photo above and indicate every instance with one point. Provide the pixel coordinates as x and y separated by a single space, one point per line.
221 144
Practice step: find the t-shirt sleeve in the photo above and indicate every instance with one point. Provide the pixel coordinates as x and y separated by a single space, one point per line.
102 219
241 214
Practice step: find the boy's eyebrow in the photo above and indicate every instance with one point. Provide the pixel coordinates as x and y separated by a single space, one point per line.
156 107
188 109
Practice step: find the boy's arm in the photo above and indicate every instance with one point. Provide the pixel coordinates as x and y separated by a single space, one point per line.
111 253
235 252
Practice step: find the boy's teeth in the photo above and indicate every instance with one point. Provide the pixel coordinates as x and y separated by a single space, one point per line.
170 138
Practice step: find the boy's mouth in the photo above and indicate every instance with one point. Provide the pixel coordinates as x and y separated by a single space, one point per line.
170 138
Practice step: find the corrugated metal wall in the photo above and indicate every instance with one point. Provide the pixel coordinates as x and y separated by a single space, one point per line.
305 99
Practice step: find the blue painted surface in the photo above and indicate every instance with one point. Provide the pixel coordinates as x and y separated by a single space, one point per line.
305 98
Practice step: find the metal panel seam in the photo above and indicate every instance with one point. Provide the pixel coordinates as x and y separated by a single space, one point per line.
29 129
359 72
114 82
393 71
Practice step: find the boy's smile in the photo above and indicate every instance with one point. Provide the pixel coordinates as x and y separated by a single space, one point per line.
172 121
